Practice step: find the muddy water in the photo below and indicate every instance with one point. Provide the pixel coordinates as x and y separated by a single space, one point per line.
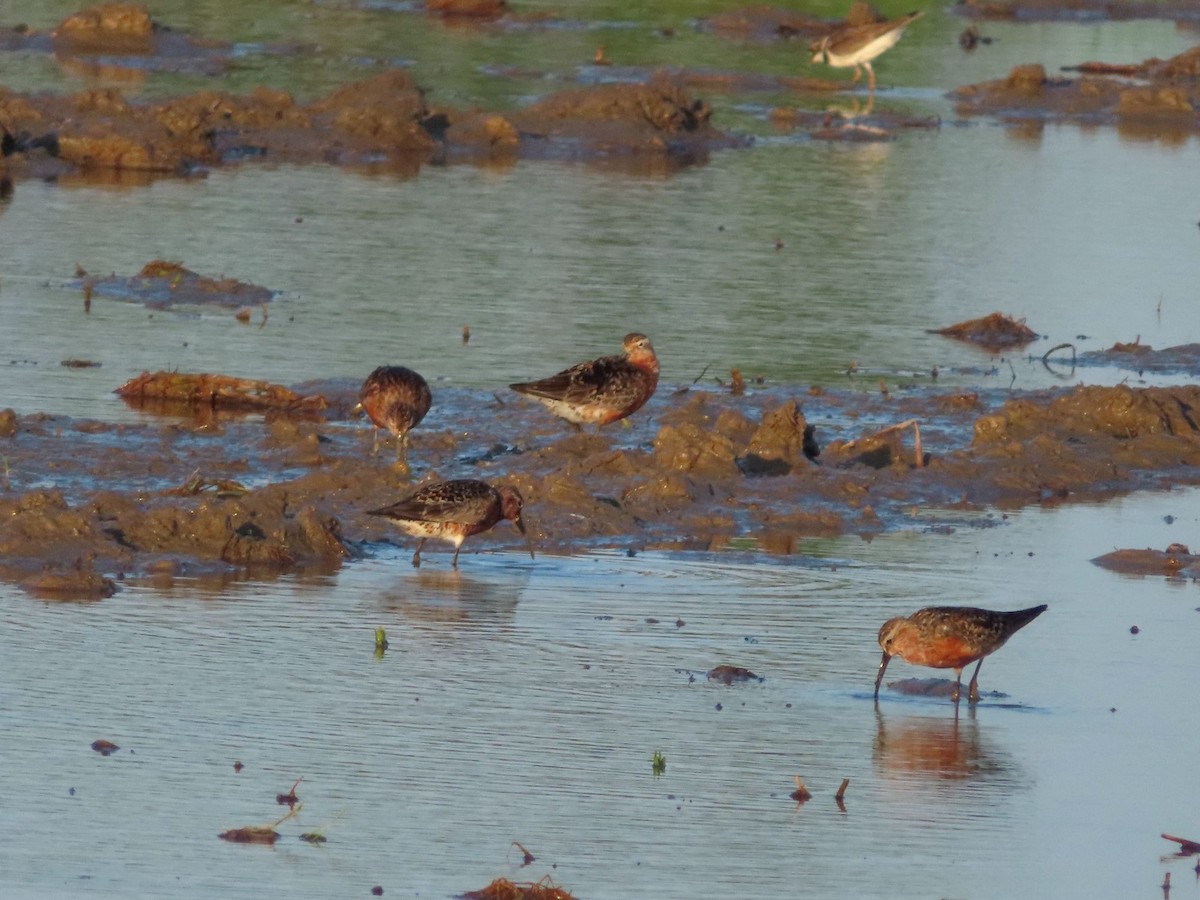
523 701
548 264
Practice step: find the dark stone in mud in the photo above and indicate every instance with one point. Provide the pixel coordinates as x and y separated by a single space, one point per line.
1170 562
728 674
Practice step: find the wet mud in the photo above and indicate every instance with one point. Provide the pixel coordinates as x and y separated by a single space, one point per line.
1154 98
383 120
1077 10
1175 561
235 496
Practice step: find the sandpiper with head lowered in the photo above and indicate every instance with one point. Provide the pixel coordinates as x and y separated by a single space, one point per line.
453 511
602 390
950 637
395 399
857 45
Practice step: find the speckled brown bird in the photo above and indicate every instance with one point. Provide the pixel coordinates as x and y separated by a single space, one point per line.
857 45
951 637
395 399
602 390
453 511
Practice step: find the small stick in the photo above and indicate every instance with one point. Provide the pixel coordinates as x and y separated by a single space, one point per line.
701 375
1060 347
1185 846
841 791
528 857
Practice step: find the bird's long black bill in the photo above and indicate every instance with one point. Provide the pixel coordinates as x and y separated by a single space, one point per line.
882 668
520 523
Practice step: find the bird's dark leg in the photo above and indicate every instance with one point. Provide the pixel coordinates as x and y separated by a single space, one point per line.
454 562
957 684
417 555
973 690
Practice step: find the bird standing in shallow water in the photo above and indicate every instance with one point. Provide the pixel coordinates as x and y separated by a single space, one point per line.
602 390
453 511
950 637
396 399
857 45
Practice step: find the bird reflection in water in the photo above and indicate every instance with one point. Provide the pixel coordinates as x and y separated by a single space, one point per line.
943 747
440 598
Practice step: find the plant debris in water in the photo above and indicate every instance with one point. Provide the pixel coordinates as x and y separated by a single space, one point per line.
223 391
503 889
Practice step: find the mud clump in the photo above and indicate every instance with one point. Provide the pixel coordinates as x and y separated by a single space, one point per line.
727 674
503 889
995 332
1164 103
215 391
467 9
1176 560
380 119
8 423
162 284
114 27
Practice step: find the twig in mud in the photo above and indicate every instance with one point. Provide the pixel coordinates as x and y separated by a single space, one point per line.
1060 347
852 368
737 384
290 798
527 857
841 791
499 399
883 390
800 794
1014 374
702 373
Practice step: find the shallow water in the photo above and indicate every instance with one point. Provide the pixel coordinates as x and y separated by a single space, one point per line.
522 700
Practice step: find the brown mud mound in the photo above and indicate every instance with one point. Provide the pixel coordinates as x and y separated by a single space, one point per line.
162 284
215 391
1078 10
381 119
1183 359
122 40
995 332
1162 102
768 22
256 495
1176 560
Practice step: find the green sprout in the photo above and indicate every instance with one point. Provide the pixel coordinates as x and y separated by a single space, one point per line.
658 763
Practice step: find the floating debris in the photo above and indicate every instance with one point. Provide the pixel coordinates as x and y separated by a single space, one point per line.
105 748
729 674
503 889
658 763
